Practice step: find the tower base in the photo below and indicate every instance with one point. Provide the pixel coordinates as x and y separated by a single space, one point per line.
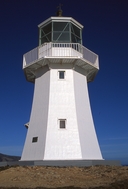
63 163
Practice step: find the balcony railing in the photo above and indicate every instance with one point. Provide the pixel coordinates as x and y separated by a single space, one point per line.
62 50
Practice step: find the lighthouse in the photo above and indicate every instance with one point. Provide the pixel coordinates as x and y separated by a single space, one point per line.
61 125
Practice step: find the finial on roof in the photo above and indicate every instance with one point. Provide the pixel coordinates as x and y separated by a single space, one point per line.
59 11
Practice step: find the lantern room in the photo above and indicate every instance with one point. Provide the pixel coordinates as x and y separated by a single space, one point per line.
60 30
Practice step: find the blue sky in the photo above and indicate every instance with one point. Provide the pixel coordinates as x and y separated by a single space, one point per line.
105 32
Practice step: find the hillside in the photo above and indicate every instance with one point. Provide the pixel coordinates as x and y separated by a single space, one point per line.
39 177
4 157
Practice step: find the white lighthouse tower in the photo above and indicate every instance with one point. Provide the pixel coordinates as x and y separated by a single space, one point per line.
61 125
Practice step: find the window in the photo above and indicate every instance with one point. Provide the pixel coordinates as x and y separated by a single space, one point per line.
61 74
76 34
62 123
45 34
61 32
34 139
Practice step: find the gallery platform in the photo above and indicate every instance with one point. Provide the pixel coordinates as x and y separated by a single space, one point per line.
63 163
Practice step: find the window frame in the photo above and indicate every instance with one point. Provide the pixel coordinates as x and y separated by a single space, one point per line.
61 126
59 76
34 139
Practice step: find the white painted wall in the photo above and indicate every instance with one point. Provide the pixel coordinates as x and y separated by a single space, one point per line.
56 99
87 134
38 119
62 143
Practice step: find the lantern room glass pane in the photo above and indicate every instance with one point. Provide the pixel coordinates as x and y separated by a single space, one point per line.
61 37
76 34
61 32
60 26
75 30
75 39
46 29
46 38
45 34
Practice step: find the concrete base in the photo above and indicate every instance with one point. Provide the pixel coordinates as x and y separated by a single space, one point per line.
63 163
